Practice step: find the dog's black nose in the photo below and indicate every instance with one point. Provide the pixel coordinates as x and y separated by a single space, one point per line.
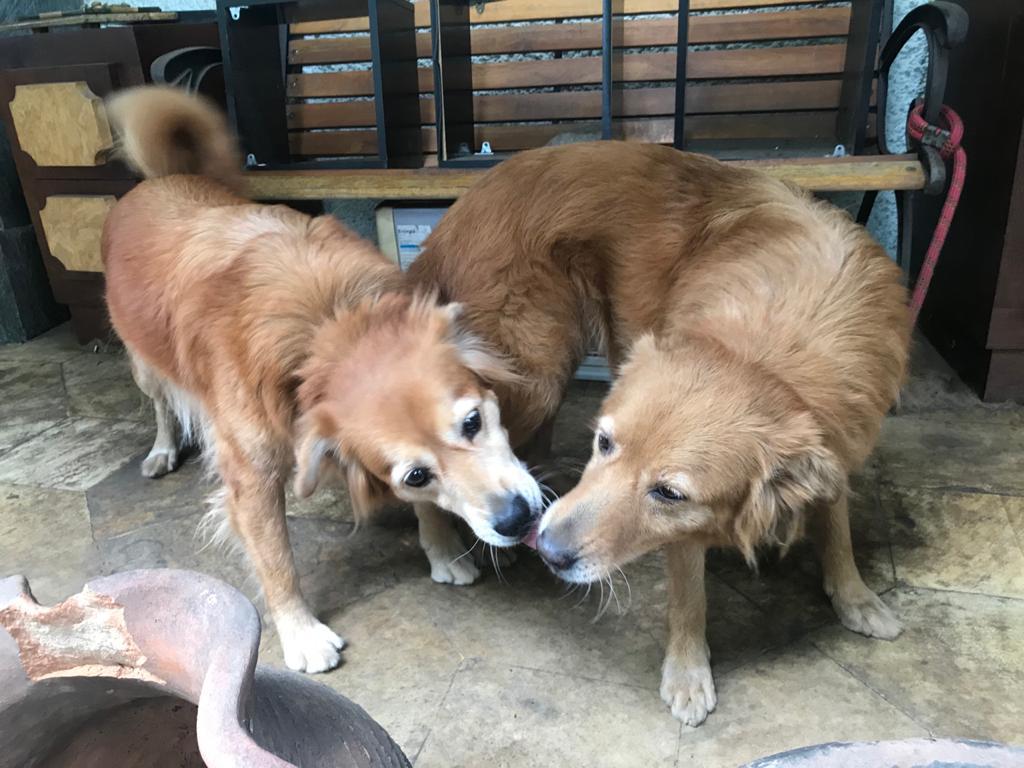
516 519
555 553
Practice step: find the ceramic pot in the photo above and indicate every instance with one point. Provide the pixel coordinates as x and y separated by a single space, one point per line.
158 668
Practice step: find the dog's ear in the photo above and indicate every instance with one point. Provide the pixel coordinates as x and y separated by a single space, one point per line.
313 449
474 353
799 471
367 493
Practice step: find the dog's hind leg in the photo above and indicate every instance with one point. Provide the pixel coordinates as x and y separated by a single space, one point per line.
163 456
858 607
256 510
450 560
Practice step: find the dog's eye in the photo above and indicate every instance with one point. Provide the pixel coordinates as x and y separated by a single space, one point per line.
471 424
667 493
604 443
417 477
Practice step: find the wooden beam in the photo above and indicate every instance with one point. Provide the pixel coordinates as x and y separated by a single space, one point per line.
636 33
700 65
579 105
537 10
520 136
819 175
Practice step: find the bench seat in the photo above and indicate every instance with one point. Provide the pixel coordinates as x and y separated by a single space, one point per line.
827 174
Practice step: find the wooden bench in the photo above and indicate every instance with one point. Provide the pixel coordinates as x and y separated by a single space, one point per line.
756 78
858 174
784 81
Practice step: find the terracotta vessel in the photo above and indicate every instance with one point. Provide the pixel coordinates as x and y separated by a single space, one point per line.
158 669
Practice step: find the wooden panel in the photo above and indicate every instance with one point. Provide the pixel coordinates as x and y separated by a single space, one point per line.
83 19
824 174
636 102
505 138
636 33
747 62
73 225
61 124
536 10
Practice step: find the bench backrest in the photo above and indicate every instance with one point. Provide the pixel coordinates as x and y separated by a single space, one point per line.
758 78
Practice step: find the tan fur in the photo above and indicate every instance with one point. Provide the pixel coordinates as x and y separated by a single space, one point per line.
164 130
759 337
287 339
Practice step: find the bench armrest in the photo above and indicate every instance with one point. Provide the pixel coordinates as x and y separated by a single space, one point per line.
945 26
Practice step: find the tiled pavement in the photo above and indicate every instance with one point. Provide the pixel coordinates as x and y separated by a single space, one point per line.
514 672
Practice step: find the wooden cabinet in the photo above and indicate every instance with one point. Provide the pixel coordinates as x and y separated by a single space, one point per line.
974 314
52 87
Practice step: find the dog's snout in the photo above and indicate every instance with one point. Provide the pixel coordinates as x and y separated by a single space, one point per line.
515 519
556 553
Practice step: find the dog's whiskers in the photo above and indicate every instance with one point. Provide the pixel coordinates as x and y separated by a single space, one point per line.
629 590
571 466
497 566
541 474
584 598
602 606
547 492
471 548
569 589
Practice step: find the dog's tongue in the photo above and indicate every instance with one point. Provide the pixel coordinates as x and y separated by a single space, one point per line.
531 537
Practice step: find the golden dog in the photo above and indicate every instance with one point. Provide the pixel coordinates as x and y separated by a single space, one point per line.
283 339
759 337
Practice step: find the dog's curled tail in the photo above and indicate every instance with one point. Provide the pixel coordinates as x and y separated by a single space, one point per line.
162 130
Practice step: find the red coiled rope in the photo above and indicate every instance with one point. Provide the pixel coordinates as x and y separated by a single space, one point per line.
947 141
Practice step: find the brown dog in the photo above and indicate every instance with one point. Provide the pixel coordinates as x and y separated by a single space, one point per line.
283 339
760 337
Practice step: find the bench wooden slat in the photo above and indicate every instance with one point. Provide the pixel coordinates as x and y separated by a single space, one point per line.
636 33
541 10
509 138
720 64
817 174
636 102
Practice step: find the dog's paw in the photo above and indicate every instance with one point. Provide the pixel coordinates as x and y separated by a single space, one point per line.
459 571
689 691
159 462
308 645
867 614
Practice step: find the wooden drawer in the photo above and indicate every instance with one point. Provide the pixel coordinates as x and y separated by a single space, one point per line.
57 122
61 124
68 216
73 226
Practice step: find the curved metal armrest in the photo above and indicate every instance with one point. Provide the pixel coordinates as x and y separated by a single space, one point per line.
945 26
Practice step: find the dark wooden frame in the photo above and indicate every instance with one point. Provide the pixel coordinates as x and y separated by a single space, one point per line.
254 46
867 18
974 313
453 85
611 67
682 46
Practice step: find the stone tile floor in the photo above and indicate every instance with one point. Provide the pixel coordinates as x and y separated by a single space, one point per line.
515 673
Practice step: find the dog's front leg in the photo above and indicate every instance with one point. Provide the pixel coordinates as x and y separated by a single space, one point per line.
858 607
686 682
450 561
255 508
